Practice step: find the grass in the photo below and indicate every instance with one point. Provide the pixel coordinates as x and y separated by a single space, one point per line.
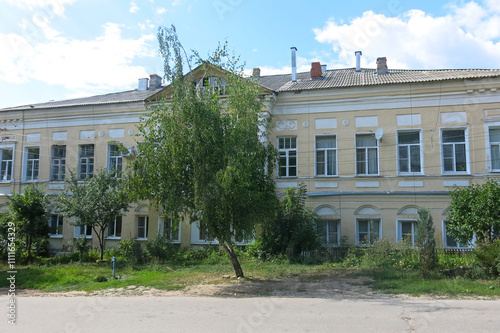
176 276
399 281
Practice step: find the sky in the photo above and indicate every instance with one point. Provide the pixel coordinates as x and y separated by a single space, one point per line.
63 49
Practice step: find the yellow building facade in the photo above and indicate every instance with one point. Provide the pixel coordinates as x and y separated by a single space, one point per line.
371 145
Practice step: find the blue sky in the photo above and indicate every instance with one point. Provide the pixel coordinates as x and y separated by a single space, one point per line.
60 49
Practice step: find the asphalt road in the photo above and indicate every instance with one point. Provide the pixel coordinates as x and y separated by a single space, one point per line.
258 314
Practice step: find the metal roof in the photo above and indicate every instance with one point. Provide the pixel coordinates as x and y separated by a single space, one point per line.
112 98
348 77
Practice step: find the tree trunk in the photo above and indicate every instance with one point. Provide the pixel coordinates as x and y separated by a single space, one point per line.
101 241
233 258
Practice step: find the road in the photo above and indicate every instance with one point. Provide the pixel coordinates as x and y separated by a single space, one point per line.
257 314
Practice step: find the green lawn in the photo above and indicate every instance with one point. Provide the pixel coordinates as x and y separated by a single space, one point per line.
84 276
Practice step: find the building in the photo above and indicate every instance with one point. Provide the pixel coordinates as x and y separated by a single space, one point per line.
371 145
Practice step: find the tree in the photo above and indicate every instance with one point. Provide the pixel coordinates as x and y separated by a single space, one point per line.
294 226
425 241
203 155
28 210
474 211
95 203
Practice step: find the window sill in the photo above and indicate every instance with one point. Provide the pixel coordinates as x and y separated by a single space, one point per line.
56 236
201 242
141 239
88 237
113 238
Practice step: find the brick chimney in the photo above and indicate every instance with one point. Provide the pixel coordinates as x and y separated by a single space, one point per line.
382 66
256 72
154 81
316 70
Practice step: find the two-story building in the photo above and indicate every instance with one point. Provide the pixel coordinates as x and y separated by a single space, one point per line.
372 145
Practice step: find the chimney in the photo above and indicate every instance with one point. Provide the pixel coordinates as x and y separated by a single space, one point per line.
323 68
154 81
315 70
143 84
382 66
358 60
256 72
294 63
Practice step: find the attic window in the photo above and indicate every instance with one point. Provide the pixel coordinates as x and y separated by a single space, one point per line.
216 85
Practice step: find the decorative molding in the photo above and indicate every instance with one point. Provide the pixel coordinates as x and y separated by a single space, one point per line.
286 125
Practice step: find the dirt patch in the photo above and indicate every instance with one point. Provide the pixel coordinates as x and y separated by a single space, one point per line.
328 286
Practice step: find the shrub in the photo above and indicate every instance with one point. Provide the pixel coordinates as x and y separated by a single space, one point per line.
80 245
381 254
487 259
161 249
426 242
132 250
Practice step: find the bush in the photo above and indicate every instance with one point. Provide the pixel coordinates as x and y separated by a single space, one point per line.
161 249
80 245
486 258
132 250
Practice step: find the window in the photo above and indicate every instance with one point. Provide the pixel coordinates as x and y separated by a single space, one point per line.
32 155
368 231
454 150
58 162
86 164
287 148
171 229
55 225
115 228
142 227
406 231
326 156
450 242
204 233
409 158
83 230
115 159
495 148
6 158
366 154
329 232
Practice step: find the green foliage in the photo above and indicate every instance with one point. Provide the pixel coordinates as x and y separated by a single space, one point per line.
487 260
81 246
132 251
201 154
474 211
95 203
28 215
160 249
426 242
293 228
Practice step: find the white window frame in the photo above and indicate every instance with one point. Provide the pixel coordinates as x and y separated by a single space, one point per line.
88 161
86 229
408 148
61 164
7 177
196 235
325 152
467 151
162 229
287 154
490 145
118 219
59 222
366 153
358 219
399 229
327 233
115 160
459 245
33 161
146 227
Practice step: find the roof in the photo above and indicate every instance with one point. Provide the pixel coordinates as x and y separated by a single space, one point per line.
112 98
348 77
335 78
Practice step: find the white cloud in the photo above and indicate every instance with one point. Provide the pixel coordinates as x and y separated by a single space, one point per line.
57 6
463 38
160 11
104 63
133 7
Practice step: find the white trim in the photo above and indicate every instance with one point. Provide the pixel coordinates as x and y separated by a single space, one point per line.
12 146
